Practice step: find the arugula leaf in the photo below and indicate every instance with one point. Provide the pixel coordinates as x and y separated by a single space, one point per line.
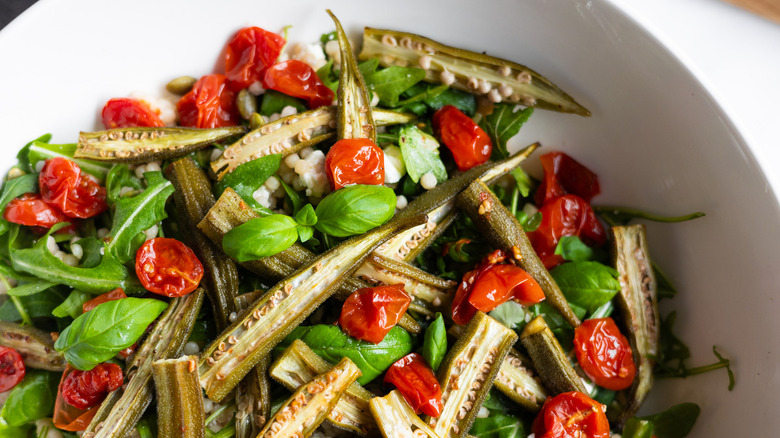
32 399
435 343
92 247
275 101
498 426
98 335
615 215
13 189
586 284
502 124
328 76
368 66
332 344
523 182
423 97
72 306
29 286
39 305
38 150
390 82
355 210
118 177
420 153
260 237
675 422
24 153
134 214
249 177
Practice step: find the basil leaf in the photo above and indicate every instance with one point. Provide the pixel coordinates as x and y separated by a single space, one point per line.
572 249
249 177
306 216
355 210
118 177
32 399
511 314
332 344
502 124
390 82
98 335
40 262
529 223
274 102
586 284
420 152
368 66
305 233
72 306
15 432
557 323
435 343
295 198
498 426
328 76
423 97
134 214
675 422
636 428
260 237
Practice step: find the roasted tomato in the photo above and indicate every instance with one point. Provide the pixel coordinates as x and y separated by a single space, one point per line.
29 209
571 415
604 353
84 389
355 161
249 54
12 368
417 383
469 144
124 112
371 312
75 193
567 215
116 294
563 175
168 267
210 104
67 417
297 79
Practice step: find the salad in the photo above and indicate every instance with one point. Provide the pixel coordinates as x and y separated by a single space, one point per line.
317 242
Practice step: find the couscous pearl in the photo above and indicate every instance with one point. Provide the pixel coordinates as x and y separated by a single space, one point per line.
428 181
401 202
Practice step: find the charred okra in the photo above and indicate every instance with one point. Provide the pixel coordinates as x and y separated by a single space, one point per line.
549 359
179 398
34 345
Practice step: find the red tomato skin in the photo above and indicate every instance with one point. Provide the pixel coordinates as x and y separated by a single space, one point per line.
371 312
168 267
251 51
84 389
604 353
355 161
124 112
571 415
297 79
567 215
65 186
564 175
469 144
12 368
29 209
500 283
462 309
116 294
210 104
417 383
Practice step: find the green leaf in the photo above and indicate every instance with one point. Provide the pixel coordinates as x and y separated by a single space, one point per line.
637 428
328 76
31 399
368 66
529 223
15 432
502 124
586 284
498 426
72 306
118 177
305 233
572 249
675 422
615 215
306 216
420 152
355 210
249 177
332 344
41 151
423 97
510 313
275 101
134 214
260 237
98 335
24 153
435 343
295 198
13 189
522 181
30 286
39 305
390 82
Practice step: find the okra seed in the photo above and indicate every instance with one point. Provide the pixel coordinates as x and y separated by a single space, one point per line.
524 77
472 83
425 62
389 40
406 43
447 77
484 87
504 71
494 96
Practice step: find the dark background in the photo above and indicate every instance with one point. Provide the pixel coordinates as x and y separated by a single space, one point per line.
9 9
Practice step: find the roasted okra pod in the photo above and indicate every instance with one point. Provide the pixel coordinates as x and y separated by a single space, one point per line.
34 345
179 398
549 359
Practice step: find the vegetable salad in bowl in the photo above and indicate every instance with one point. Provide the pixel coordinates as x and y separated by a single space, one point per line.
316 240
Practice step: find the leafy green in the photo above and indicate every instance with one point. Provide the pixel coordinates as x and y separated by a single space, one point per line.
368 66
29 286
498 426
13 189
586 284
614 215
260 237
31 399
39 305
502 124
72 306
355 209
557 323
511 314
637 428
435 343
423 97
15 432
118 177
420 153
572 249
529 223
306 216
675 422
332 344
249 177
274 102
41 150
523 182
92 248
390 82
134 214
295 198
328 76
98 335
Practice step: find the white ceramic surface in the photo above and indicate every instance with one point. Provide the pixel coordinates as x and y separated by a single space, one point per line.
657 140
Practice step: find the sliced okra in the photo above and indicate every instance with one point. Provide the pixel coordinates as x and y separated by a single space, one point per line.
397 419
34 345
550 361
179 398
516 380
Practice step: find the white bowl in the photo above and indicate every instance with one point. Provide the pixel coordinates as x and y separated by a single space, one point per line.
656 139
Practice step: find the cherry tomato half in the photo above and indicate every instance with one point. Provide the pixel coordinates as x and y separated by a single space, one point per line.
567 215
168 267
67 417
604 353
124 112
469 144
571 415
210 104
116 294
297 79
249 54
563 175
355 161
12 368
29 209
417 383
75 193
371 312
84 389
